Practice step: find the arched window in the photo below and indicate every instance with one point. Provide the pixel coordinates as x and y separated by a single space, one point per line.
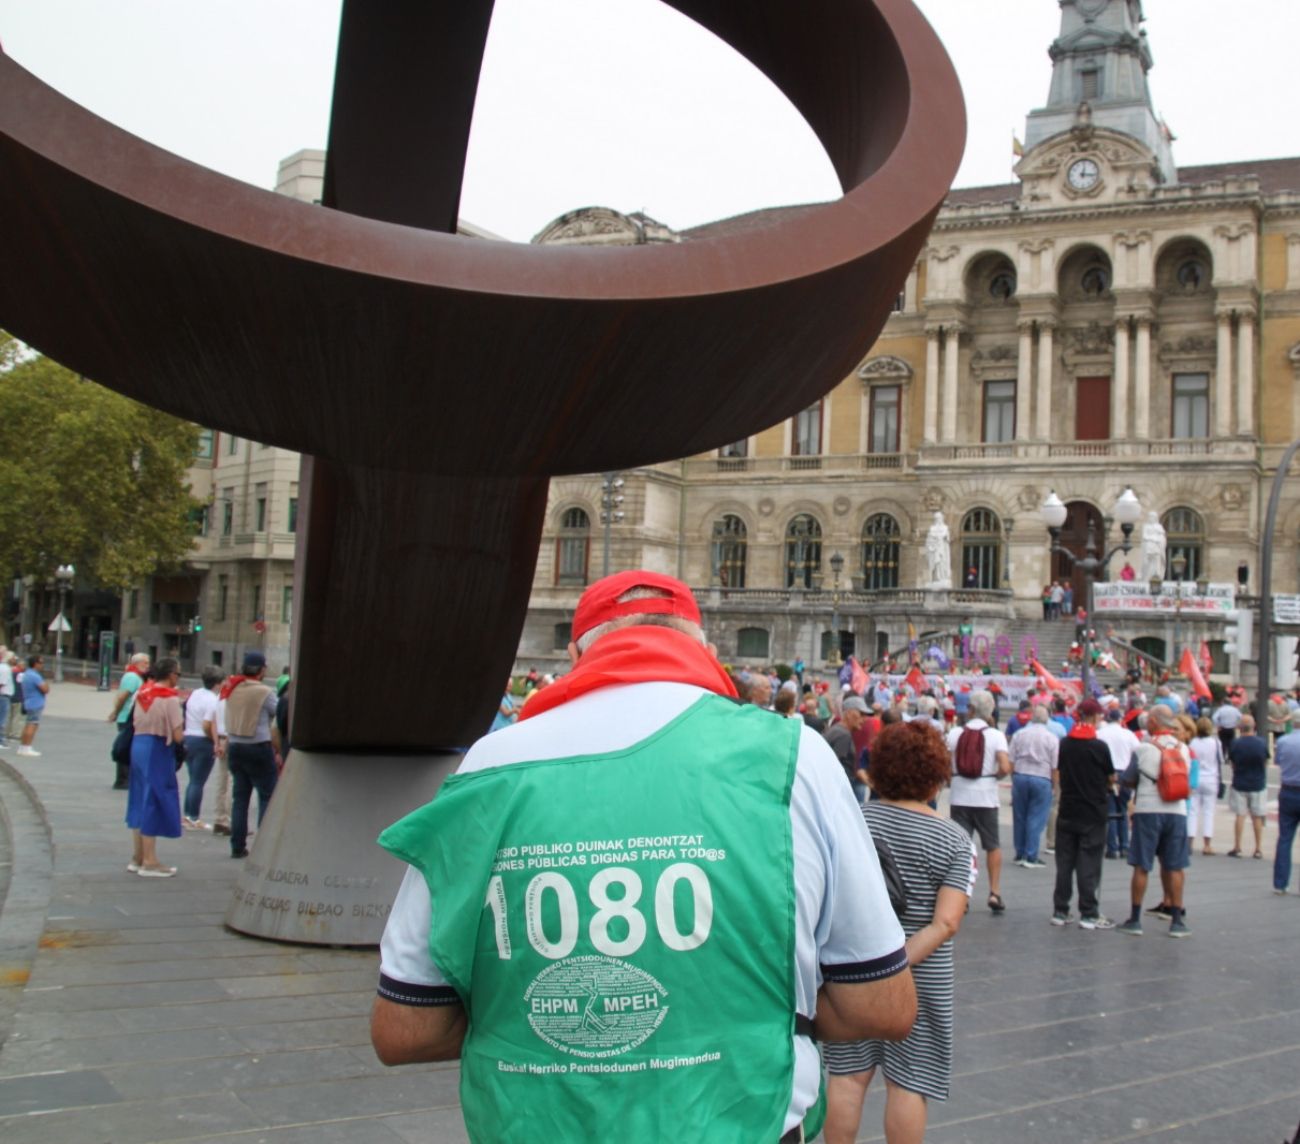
729 549
981 549
752 643
881 537
803 551
573 548
1184 544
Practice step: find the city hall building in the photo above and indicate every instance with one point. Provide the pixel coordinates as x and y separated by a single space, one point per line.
1108 320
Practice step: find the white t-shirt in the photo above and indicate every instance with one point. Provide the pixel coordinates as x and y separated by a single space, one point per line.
6 680
982 791
843 918
201 705
1227 717
1122 743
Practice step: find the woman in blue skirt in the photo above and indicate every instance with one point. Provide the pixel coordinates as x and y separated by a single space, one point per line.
153 799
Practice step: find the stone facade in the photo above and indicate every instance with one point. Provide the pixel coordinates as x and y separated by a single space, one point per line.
1105 321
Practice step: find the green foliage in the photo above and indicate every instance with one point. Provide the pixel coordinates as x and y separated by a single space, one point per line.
783 671
88 477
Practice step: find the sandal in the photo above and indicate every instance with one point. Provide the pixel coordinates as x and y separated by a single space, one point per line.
1234 853
1208 853
156 871
996 904
1258 854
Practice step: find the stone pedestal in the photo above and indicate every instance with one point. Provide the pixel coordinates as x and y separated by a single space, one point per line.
315 873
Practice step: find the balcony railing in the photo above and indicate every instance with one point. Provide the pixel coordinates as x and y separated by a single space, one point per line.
851 599
1089 450
839 463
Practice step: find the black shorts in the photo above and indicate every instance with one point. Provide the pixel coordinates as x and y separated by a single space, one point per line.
981 820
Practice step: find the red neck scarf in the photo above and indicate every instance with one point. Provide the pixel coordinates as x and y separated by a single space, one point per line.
641 654
152 690
231 683
133 671
1082 731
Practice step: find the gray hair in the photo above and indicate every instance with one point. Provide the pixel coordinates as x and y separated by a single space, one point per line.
645 619
1040 714
1161 715
981 704
139 658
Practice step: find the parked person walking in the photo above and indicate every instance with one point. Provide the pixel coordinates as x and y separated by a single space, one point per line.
1207 750
200 743
1034 757
137 671
1249 758
153 799
254 742
35 689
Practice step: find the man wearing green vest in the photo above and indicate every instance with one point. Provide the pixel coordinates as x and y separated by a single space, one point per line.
629 913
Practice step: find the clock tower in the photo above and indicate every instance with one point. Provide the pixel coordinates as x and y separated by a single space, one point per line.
1100 63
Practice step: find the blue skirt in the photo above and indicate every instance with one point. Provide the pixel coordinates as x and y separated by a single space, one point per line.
153 804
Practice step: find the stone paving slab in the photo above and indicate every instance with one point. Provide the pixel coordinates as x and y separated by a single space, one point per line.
143 1019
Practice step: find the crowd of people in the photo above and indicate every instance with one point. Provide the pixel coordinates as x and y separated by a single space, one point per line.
234 727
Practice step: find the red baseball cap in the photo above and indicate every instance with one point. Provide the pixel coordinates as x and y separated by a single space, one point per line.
600 603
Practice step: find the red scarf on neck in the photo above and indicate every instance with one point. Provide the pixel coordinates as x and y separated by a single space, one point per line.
153 690
641 654
231 683
1082 731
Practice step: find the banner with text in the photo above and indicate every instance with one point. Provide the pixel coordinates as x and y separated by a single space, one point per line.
1174 596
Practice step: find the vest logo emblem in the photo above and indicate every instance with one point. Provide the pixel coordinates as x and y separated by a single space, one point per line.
594 1006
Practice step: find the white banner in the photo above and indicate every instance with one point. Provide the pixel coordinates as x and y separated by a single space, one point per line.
1286 609
1133 597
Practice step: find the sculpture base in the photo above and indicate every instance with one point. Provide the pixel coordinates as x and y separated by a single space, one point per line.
315 874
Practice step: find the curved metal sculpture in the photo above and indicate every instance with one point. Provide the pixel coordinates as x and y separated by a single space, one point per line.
391 351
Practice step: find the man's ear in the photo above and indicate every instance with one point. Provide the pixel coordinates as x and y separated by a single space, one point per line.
574 653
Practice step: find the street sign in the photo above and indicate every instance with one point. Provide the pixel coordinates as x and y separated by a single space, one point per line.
1286 609
59 624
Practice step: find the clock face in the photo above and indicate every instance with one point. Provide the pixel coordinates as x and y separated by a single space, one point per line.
1083 174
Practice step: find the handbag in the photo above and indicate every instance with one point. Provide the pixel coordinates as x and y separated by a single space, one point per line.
121 750
894 883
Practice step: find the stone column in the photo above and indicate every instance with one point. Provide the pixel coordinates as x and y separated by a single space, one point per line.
1245 374
1142 381
931 429
1223 378
1119 423
1043 424
951 353
1024 380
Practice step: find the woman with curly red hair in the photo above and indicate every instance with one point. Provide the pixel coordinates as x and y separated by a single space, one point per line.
909 764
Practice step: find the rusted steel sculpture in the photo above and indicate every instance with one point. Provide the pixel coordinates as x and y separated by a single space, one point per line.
436 382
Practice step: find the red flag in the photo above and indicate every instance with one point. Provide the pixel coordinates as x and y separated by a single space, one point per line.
1207 660
915 680
1189 667
858 679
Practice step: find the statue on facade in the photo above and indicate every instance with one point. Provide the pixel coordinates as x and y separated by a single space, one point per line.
1153 549
938 557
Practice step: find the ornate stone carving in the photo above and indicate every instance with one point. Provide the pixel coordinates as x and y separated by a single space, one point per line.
1232 497
1028 499
1192 345
596 226
841 505
1094 340
1293 354
995 355
886 367
766 507
933 499
1130 239
942 253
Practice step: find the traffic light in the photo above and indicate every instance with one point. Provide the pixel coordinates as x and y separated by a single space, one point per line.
1238 632
196 625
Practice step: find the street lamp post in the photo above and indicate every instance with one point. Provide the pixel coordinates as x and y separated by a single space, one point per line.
835 659
610 514
64 574
1127 511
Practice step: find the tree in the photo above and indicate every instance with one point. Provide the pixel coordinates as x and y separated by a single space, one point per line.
88 477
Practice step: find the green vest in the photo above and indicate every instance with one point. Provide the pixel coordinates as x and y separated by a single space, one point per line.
620 929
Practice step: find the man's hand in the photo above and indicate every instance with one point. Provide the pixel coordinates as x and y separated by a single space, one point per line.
407 1034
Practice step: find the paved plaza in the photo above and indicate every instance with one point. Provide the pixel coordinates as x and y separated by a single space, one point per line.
128 1012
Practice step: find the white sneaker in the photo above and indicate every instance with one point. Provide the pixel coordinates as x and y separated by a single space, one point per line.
30 752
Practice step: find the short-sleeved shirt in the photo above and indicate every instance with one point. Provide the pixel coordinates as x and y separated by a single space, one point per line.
840 740
1287 755
1035 751
33 696
982 791
844 921
201 706
1249 757
1086 771
1122 743
130 684
6 680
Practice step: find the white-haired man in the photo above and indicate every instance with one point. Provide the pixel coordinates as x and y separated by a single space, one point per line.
634 885
975 801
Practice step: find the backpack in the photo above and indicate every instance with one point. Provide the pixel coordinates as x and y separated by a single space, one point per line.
969 753
1174 780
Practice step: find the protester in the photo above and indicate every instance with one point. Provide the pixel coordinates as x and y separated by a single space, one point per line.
974 802
910 765
200 741
785 703
1159 828
1287 756
1207 750
10 727
1034 758
6 692
35 689
810 716
254 742
505 713
1248 755
760 690
153 798
1122 743
641 741
137 671
1085 776
839 736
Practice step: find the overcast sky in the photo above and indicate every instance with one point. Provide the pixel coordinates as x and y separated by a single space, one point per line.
624 103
